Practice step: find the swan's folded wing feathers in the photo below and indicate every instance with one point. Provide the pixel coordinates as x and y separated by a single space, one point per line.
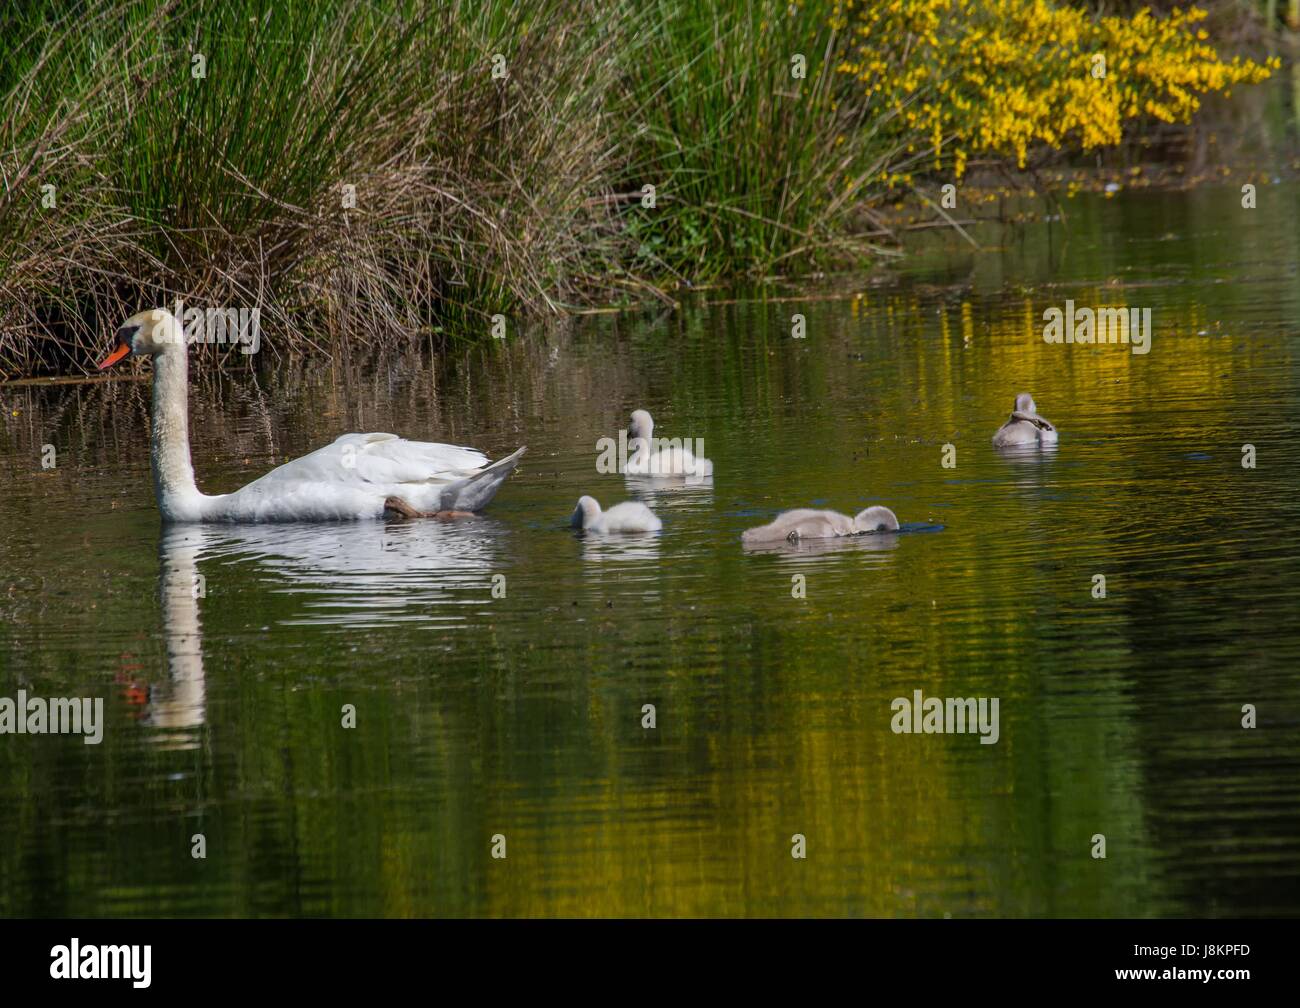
388 460
380 460
364 439
420 460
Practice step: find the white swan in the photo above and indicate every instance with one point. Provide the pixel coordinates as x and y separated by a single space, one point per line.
1024 426
358 476
670 458
808 523
629 516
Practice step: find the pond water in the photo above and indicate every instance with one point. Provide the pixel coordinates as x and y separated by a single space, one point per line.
479 715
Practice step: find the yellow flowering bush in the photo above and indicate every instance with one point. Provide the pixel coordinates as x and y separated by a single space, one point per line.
956 78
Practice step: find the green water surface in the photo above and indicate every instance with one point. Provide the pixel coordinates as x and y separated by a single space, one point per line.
521 715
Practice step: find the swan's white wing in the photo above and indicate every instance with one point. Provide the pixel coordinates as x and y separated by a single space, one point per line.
673 460
381 460
386 458
801 523
630 516
352 477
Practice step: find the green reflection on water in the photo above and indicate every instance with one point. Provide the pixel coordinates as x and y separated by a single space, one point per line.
522 715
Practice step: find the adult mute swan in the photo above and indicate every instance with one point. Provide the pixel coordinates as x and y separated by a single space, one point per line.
669 458
808 523
629 516
1025 426
358 476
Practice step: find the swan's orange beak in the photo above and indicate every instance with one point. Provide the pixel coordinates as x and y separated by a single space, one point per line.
121 351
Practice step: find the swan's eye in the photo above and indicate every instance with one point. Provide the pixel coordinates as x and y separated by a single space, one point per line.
127 333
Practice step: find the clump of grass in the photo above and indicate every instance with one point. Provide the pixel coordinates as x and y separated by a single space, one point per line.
768 129
472 192
60 223
741 123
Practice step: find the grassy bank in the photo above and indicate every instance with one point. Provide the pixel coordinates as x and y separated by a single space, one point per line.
399 173
227 180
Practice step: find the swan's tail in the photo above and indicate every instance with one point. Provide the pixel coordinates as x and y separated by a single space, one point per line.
474 492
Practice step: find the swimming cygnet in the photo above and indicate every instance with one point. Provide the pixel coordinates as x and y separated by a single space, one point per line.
670 458
630 516
1025 426
808 523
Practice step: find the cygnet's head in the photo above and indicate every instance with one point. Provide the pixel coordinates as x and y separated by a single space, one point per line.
1025 404
642 426
876 519
143 335
586 512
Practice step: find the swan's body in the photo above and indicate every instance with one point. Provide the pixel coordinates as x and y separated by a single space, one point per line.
1025 426
669 458
358 476
630 516
808 523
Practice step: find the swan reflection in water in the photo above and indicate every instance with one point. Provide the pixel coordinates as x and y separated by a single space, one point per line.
670 492
641 547
806 549
350 575
1033 468
1032 454
177 705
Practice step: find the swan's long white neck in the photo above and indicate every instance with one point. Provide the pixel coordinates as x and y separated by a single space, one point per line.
173 473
